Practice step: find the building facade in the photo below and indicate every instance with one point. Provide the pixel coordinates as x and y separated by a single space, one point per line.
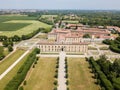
71 47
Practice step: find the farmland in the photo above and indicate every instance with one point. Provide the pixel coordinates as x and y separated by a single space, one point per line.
48 16
19 25
80 77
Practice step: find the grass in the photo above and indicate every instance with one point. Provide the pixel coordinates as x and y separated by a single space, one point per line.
42 76
70 21
4 18
6 52
48 16
11 74
26 30
10 60
12 26
80 77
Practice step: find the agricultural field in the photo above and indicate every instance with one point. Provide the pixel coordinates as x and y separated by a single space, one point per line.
48 16
10 60
19 25
80 77
11 74
70 21
42 76
26 30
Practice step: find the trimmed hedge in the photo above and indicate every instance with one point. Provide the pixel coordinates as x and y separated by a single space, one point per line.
22 72
103 79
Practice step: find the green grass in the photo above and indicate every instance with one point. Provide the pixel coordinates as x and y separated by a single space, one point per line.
11 74
48 16
70 21
42 76
10 60
15 17
6 52
26 30
12 26
80 77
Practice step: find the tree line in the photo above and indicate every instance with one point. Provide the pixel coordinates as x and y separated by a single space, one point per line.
22 72
106 73
114 45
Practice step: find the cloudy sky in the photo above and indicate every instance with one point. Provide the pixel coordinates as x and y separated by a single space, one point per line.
60 4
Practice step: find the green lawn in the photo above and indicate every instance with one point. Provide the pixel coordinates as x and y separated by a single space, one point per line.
42 76
10 60
25 30
80 77
11 74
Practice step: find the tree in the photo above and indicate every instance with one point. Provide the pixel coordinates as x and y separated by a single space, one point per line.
86 36
10 49
5 43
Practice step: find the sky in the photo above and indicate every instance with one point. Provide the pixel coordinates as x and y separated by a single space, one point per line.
61 4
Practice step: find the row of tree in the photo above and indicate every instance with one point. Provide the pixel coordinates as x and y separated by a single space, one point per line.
22 72
1 53
107 73
114 45
16 38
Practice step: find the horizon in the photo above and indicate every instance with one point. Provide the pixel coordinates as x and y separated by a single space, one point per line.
61 5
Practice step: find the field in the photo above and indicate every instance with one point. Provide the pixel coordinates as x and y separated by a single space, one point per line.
10 60
19 25
80 77
12 26
71 22
48 16
26 30
11 74
42 76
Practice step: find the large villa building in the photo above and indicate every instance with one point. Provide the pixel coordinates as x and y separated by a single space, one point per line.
71 40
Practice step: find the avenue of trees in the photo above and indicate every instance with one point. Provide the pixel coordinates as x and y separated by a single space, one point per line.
114 45
1 53
106 73
22 72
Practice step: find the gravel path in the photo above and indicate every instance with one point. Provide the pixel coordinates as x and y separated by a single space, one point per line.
17 61
61 72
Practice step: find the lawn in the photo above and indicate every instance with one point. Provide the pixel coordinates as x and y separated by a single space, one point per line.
10 60
80 77
11 74
42 76
25 30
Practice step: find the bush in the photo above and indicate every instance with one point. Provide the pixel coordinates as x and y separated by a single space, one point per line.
10 49
55 82
25 82
21 88
56 75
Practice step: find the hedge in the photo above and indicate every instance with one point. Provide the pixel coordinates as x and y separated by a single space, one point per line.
104 81
22 72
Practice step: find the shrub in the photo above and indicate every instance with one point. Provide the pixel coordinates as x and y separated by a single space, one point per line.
21 88
25 82
55 82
